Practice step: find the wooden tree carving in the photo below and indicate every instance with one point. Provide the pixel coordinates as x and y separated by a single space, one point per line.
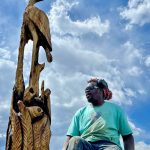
30 113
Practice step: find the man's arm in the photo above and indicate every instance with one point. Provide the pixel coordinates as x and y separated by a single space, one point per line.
65 145
128 141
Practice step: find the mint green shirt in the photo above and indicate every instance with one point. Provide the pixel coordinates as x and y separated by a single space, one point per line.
106 122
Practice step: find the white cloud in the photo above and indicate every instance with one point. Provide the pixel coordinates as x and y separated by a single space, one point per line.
3 40
142 92
131 54
136 131
147 61
60 140
135 71
7 67
73 58
118 89
62 24
4 63
130 92
131 60
76 59
4 20
142 146
5 54
137 13
26 1
2 135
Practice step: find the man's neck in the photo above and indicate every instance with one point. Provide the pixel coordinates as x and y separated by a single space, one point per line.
99 103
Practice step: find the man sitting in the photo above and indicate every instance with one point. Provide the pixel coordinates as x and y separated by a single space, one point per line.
99 125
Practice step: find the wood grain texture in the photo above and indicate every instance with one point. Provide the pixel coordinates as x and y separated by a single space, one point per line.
16 131
30 113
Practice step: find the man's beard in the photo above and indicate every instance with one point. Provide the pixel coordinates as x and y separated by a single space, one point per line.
92 100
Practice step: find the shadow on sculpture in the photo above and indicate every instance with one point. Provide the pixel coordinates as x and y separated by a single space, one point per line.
30 113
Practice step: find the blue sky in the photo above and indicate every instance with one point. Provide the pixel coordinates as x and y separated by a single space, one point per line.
107 39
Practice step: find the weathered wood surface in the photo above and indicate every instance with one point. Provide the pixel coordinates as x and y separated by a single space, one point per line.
30 113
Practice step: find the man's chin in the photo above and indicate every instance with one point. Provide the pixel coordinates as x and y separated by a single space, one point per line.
91 100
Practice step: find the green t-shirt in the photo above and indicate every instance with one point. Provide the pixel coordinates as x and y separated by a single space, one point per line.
106 122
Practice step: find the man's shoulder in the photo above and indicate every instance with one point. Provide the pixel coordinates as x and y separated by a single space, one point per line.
114 108
81 110
113 105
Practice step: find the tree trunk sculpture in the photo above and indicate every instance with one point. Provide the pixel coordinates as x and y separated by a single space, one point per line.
30 113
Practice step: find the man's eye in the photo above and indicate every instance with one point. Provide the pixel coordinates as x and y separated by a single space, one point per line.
87 90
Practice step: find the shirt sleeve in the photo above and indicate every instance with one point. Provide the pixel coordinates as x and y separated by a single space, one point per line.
124 127
73 129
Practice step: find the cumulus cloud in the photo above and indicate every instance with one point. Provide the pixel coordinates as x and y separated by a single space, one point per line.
147 61
5 54
131 60
7 69
142 145
26 1
131 54
129 92
72 60
135 71
137 13
75 62
62 23
136 131
2 135
77 57
142 92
